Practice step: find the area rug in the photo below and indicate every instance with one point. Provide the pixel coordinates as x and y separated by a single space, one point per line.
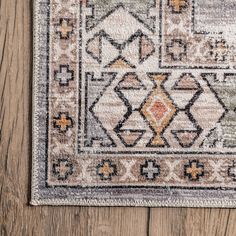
134 103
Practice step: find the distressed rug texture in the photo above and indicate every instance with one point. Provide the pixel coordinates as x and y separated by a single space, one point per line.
134 103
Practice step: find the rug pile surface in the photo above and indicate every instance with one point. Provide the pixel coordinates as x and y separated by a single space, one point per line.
134 103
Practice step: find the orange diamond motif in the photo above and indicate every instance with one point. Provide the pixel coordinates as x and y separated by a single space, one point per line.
158 109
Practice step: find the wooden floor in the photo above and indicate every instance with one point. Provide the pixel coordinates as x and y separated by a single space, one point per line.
16 216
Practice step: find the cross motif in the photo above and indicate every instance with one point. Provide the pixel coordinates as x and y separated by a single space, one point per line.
150 170
194 170
106 170
177 49
63 122
64 28
64 75
62 169
178 5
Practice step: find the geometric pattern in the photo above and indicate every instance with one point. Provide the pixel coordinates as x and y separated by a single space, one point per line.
194 170
158 110
150 170
64 75
134 103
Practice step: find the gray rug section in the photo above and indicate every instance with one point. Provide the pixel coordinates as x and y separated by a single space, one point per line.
226 129
209 16
94 130
42 99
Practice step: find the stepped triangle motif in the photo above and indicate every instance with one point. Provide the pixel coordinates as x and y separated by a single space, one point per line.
130 137
186 138
186 82
147 48
120 63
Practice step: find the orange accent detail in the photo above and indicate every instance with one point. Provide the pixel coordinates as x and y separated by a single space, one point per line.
178 4
120 64
106 170
63 122
194 171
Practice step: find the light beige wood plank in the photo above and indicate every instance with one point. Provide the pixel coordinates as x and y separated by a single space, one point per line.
117 221
167 221
192 222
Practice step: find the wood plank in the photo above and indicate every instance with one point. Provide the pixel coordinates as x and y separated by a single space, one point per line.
192 222
117 221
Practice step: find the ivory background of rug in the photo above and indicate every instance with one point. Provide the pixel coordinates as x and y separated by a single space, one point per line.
16 216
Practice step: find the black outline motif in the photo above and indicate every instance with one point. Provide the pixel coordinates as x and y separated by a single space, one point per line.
59 118
135 131
118 89
122 59
113 76
67 71
198 91
142 59
69 33
57 172
198 165
156 166
120 47
177 87
174 56
204 77
101 165
171 100
98 59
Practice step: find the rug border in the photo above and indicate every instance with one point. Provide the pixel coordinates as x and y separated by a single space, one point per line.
35 196
34 171
135 203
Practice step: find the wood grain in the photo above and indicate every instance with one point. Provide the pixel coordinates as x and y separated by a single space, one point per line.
16 216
